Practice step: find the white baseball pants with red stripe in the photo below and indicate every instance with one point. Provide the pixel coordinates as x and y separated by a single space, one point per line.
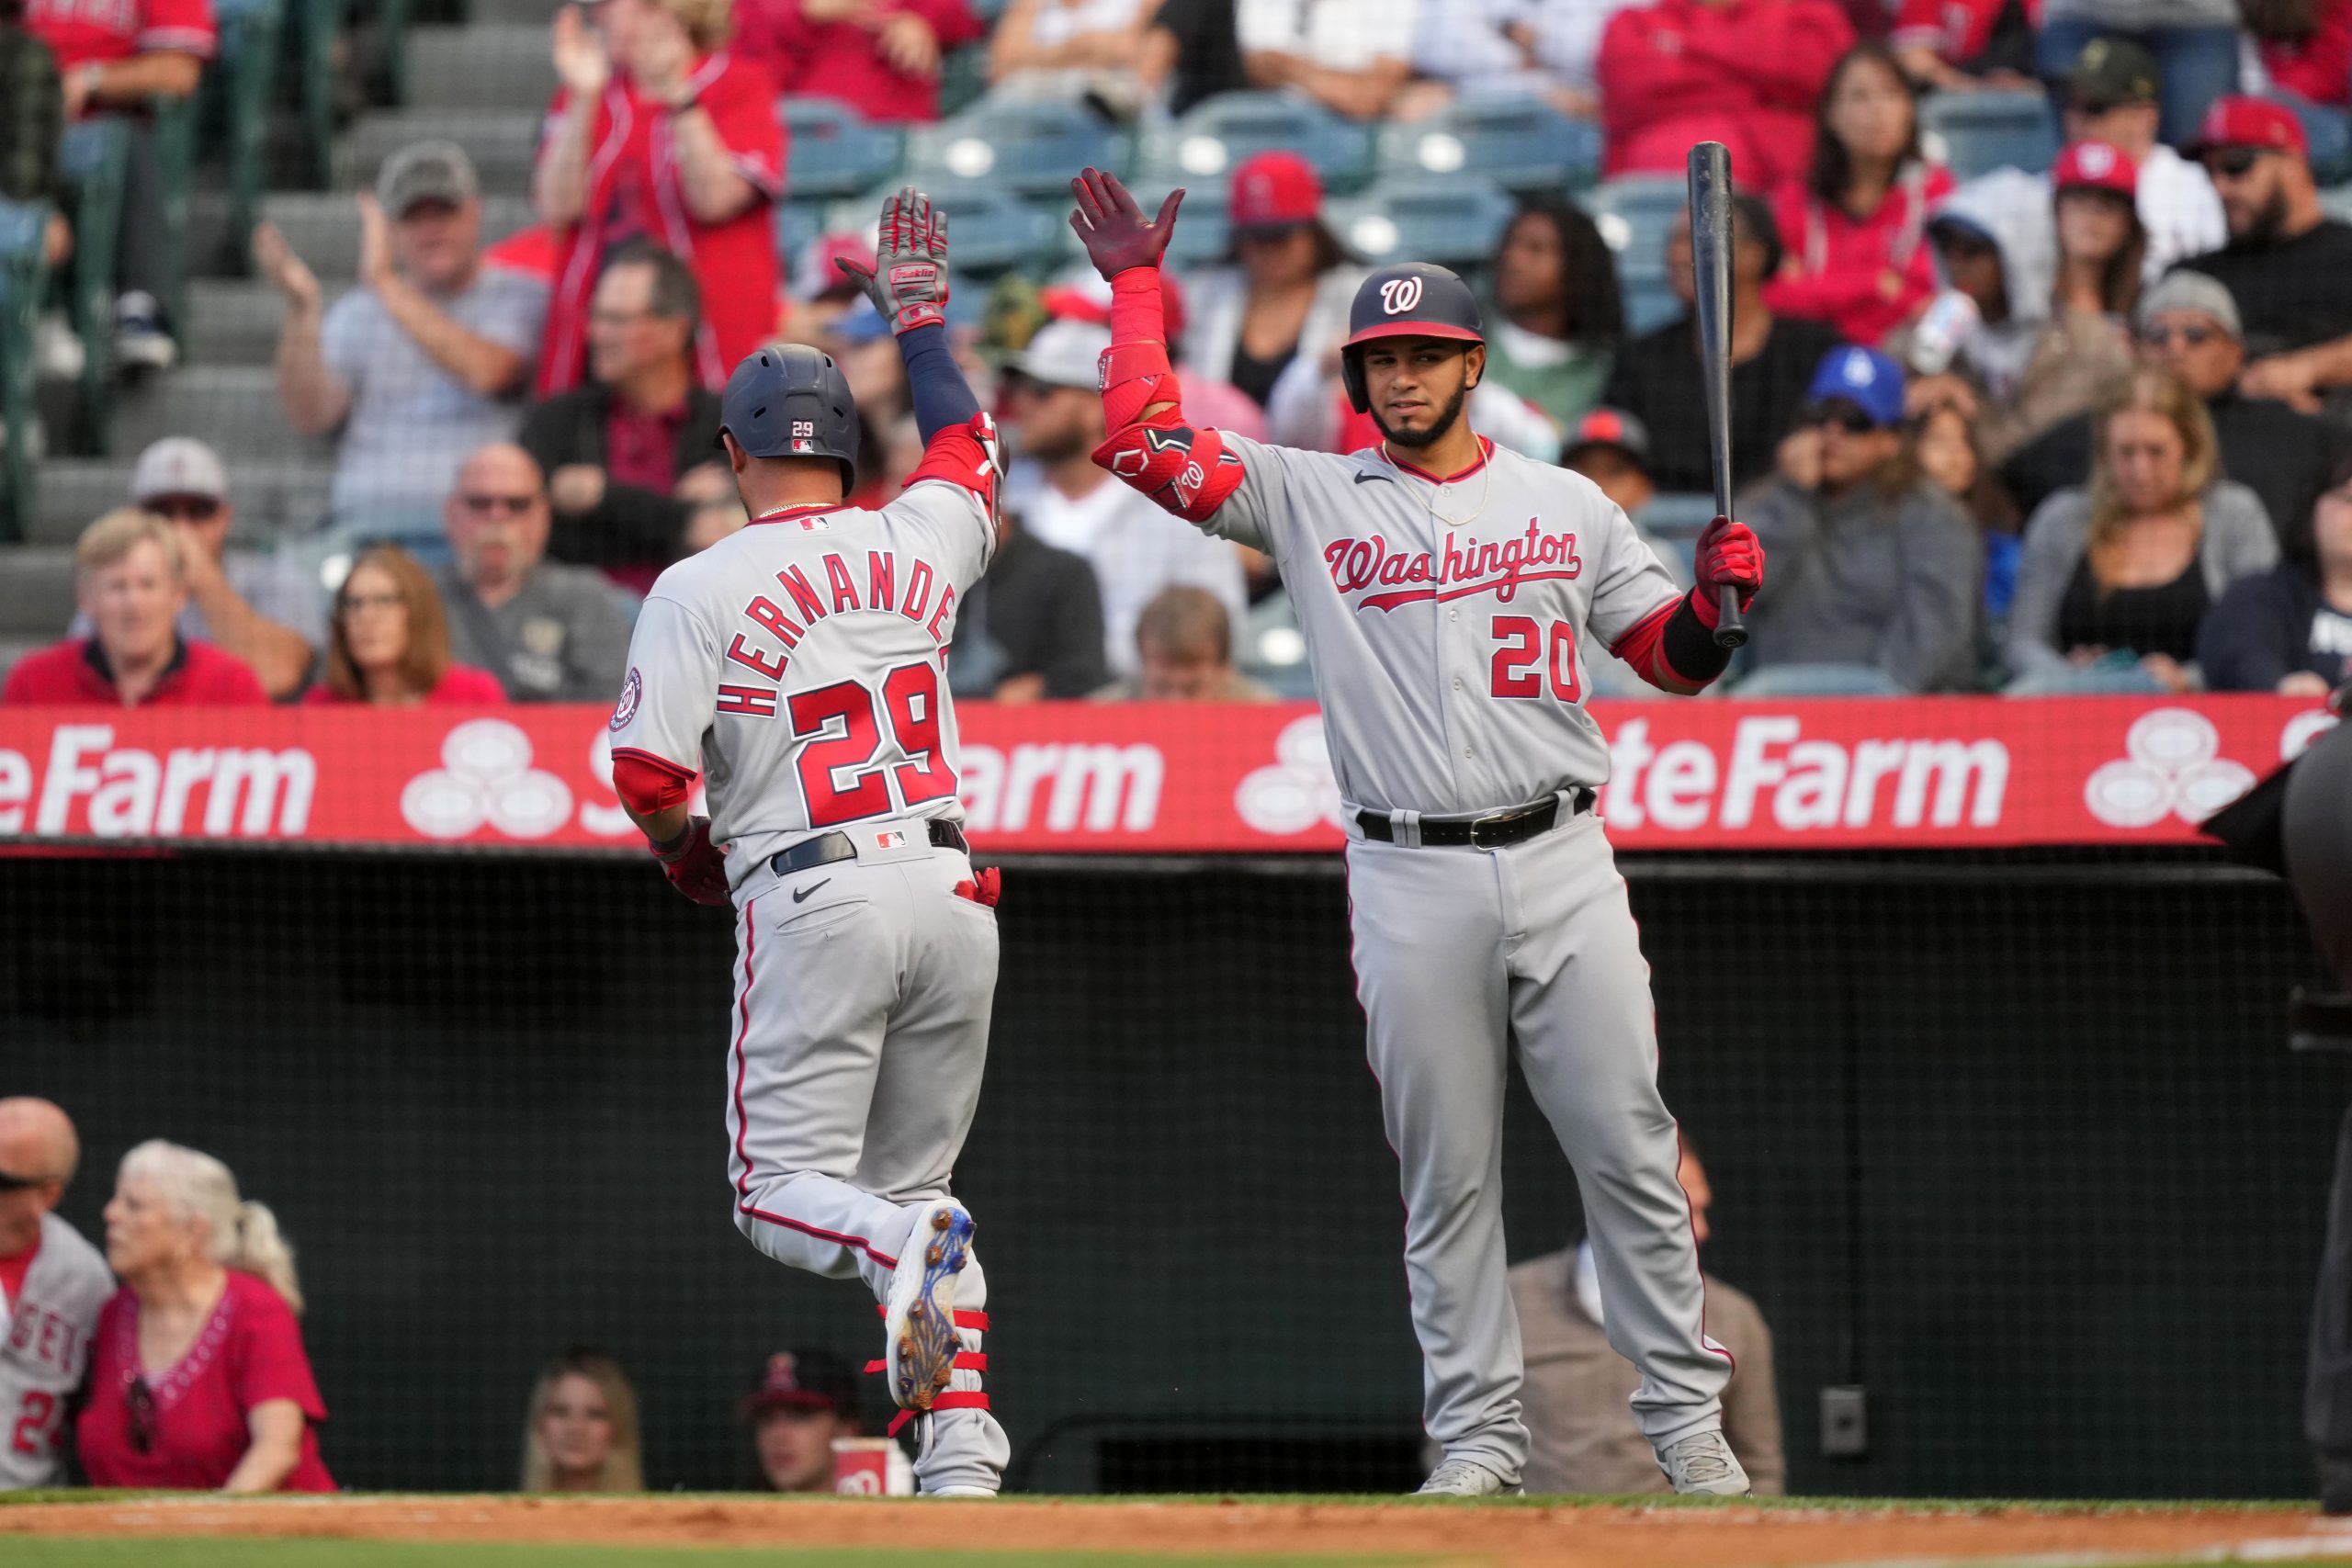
863 990
1458 952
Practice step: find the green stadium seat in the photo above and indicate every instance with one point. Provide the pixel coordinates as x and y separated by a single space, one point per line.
1454 220
91 157
1516 139
1215 135
1975 133
1635 215
1028 148
833 150
240 90
24 281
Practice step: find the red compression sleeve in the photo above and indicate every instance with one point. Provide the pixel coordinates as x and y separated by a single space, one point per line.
1185 471
650 784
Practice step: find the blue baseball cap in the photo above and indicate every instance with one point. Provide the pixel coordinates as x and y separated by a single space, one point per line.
1872 382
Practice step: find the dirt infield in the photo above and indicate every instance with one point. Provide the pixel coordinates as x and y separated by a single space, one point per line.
1579 1536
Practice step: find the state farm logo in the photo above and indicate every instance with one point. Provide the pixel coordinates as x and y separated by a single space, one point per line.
2174 769
1299 791
486 776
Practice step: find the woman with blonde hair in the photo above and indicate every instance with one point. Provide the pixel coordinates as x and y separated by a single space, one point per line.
388 645
197 1375
2114 579
657 130
581 1432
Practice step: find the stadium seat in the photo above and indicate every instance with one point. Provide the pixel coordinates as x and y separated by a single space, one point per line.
2337 202
1454 220
1220 133
988 231
1677 518
251 35
1975 133
24 279
1028 148
1516 139
833 150
1635 215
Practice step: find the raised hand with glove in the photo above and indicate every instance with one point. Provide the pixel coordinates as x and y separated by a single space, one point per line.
1118 237
908 282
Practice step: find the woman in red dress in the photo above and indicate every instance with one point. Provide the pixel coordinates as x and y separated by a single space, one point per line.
389 643
198 1376
657 131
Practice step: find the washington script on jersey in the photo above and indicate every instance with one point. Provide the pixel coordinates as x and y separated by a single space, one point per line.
1457 571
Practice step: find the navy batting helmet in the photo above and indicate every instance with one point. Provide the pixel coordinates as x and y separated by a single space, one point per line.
788 400
1409 299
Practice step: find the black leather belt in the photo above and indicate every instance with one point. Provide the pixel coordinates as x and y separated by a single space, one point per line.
1490 832
827 848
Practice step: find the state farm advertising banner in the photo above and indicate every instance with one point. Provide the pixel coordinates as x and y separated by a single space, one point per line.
1078 778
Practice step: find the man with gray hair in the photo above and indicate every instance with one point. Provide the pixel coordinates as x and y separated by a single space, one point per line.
52 1283
425 359
2189 323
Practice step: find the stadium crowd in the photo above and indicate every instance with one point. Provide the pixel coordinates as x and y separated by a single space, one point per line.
2064 428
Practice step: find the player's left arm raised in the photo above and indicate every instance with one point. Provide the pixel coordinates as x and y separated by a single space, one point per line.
1671 643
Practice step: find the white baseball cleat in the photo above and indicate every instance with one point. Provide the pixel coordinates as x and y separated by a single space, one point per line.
1466 1478
1703 1465
919 1330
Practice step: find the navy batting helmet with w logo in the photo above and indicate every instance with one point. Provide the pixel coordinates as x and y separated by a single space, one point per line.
788 400
1409 299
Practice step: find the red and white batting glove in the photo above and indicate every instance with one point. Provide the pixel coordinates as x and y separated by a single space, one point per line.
696 866
909 286
985 888
1728 555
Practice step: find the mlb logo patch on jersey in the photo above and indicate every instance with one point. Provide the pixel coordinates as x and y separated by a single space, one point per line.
815 525
890 841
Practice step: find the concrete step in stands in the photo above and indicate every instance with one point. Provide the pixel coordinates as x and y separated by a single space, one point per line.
480 67
324 227
233 407
274 501
501 142
36 592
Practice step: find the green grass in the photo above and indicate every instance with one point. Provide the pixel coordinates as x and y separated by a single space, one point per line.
39 1553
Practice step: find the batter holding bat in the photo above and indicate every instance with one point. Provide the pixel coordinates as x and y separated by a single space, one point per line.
1449 590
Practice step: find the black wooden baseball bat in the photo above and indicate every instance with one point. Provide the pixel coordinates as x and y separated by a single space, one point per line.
1709 172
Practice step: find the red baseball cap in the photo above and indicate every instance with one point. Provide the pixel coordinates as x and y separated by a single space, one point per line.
2237 120
1274 190
2094 165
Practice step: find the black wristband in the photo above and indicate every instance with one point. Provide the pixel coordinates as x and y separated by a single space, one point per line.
1690 647
665 848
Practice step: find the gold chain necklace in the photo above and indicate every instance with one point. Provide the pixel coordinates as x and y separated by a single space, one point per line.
1485 488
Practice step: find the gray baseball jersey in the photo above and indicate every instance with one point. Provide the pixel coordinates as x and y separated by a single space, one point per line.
800 665
1447 619
50 1322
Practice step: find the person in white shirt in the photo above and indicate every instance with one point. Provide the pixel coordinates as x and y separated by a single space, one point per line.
52 1283
2111 97
1547 47
1352 56
1069 503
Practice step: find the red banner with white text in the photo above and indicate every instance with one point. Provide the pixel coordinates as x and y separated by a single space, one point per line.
1146 778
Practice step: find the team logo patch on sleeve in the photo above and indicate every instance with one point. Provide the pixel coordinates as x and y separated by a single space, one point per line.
632 690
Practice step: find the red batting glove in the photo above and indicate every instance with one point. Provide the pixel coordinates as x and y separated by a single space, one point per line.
985 888
696 866
1727 557
1117 235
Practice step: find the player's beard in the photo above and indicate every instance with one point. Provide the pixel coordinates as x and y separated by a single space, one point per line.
1413 440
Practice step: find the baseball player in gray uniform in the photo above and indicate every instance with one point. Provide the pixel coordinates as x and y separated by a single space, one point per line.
1449 591
800 666
51 1285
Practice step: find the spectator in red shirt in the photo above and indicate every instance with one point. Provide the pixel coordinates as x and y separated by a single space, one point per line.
1856 225
117 57
132 580
879 57
2306 47
197 1377
616 450
390 645
656 130
1744 72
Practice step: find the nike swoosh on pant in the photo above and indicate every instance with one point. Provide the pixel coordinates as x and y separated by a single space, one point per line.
801 893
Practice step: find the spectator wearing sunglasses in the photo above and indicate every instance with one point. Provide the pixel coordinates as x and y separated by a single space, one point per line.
130 579
198 1380
2287 260
263 609
52 1284
2188 324
2116 577
551 633
390 644
1878 593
